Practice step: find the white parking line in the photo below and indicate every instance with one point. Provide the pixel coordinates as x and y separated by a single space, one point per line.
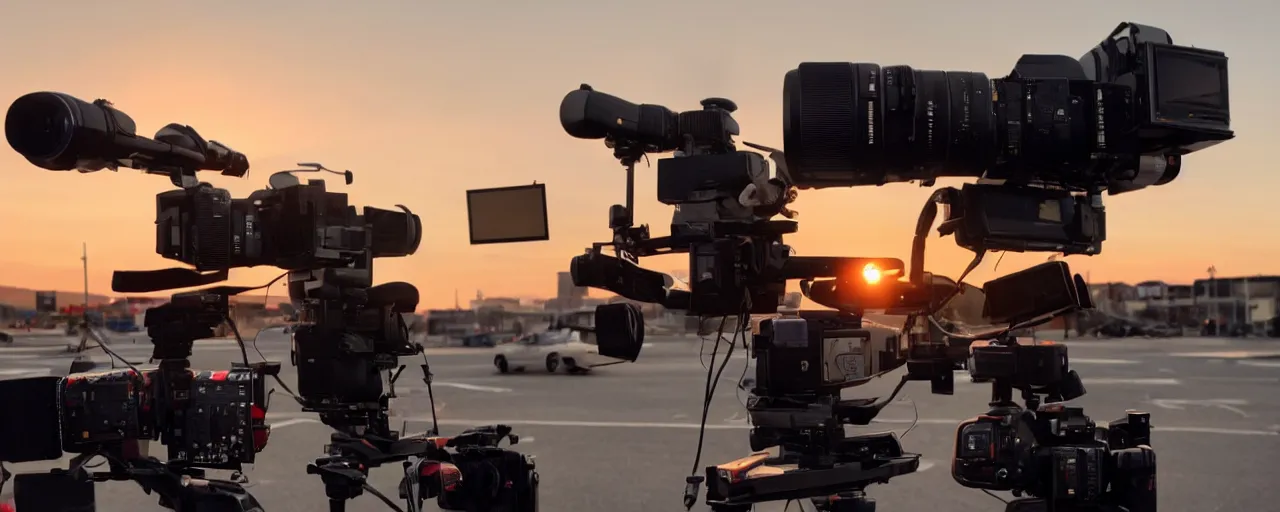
472 387
292 422
1132 382
1103 381
1260 363
21 350
1077 360
289 419
694 426
25 372
1235 354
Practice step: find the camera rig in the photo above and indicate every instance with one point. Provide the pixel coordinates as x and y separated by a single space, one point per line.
350 333
1047 450
207 419
1045 143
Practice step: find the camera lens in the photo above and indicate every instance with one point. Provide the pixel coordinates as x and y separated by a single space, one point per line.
39 125
584 271
847 124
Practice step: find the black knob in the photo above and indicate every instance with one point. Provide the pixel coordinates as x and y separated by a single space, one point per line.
724 104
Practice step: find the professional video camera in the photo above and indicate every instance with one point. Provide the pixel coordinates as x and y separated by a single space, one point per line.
350 331
208 419
1045 142
1048 450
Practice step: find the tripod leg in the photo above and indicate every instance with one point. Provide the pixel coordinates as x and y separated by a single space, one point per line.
337 505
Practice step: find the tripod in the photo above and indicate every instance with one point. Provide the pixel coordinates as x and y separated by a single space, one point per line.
354 332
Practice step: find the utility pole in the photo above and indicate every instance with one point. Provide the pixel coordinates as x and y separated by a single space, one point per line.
84 326
84 258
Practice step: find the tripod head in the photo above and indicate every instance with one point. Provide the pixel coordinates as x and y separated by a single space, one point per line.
345 469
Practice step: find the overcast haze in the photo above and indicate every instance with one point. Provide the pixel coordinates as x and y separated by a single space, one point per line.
423 100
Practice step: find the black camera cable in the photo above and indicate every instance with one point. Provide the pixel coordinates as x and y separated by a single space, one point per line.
950 197
110 353
693 482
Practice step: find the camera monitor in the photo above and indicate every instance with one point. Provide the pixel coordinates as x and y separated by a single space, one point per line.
508 214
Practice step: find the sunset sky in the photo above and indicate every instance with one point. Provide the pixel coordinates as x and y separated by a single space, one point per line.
425 99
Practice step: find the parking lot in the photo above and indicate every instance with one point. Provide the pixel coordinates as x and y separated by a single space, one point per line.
623 437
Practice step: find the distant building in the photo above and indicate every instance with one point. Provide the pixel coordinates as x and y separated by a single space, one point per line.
503 303
452 322
1111 298
1169 304
572 304
1239 300
565 288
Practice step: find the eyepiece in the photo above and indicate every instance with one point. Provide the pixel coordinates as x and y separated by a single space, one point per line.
576 117
589 114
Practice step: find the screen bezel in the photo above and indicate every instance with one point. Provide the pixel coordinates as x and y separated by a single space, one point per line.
546 220
1181 116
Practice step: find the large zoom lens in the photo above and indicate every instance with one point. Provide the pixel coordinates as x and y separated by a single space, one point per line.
847 124
57 131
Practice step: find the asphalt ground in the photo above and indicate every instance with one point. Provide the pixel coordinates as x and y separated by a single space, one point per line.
623 438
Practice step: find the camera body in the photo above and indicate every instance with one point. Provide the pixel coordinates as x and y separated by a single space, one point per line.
1052 452
1119 118
302 226
492 479
820 351
213 419
795 405
477 476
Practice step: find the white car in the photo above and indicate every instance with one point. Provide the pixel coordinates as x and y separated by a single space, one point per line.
552 350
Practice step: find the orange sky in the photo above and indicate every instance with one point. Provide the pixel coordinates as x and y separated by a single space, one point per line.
423 100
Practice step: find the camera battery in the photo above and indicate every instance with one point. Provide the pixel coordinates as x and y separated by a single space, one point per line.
788 362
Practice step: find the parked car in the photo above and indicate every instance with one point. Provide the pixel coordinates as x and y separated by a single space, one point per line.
551 350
